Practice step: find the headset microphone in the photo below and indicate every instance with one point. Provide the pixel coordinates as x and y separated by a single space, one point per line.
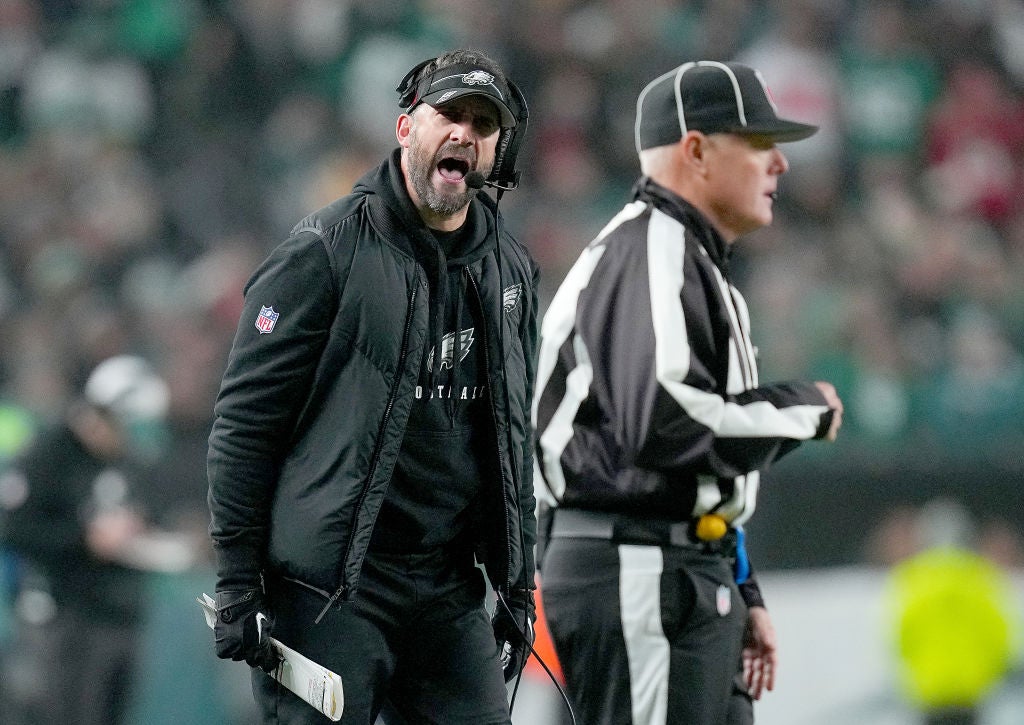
475 180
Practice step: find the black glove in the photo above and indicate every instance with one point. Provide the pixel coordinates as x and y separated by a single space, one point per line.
513 630
243 629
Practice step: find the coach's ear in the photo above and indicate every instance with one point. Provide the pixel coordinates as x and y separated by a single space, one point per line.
403 130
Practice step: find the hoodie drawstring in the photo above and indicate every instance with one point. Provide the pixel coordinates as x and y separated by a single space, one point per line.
457 342
440 309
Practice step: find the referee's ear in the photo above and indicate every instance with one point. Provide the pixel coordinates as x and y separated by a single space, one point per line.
693 151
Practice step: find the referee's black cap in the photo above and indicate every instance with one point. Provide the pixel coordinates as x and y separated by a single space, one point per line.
710 97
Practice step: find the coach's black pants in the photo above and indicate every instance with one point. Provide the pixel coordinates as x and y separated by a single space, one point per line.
416 634
646 635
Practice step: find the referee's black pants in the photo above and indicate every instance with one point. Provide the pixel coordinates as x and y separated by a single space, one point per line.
416 634
646 635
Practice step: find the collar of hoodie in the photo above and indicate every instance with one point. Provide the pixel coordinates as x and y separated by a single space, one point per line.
403 225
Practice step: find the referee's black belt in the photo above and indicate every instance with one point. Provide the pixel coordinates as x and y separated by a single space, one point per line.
621 529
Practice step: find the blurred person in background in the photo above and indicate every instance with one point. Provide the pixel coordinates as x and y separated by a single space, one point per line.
372 438
83 546
953 617
652 427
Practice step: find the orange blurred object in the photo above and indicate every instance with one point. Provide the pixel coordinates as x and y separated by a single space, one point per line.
544 646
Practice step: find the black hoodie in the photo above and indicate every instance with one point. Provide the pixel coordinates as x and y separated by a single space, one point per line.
444 456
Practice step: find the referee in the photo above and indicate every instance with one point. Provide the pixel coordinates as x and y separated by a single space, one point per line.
653 428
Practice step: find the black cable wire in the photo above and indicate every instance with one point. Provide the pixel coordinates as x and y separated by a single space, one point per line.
499 192
540 660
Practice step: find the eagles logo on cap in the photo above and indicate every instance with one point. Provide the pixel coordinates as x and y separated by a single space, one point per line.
477 78
465 79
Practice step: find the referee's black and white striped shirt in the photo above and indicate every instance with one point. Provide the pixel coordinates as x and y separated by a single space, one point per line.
648 400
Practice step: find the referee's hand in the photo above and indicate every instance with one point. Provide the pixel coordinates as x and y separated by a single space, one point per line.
760 653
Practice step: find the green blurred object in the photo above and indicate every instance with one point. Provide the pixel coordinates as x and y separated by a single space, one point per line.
154 30
17 426
180 678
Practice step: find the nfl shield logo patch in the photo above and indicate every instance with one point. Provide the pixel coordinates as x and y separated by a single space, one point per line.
266 320
723 600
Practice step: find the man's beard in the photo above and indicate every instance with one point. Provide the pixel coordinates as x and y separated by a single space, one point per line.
446 202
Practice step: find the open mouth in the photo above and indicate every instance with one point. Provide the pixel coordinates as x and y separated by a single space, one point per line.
453 169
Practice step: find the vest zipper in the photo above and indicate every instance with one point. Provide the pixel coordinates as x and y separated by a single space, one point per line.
399 372
494 418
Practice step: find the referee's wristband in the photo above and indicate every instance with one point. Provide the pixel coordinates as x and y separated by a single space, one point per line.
751 593
825 424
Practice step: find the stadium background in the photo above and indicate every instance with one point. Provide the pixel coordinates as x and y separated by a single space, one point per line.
151 153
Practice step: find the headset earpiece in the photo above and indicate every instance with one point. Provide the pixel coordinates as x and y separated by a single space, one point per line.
409 88
504 174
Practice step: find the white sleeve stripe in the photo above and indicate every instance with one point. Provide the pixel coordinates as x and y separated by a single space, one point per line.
559 430
560 319
665 249
556 328
665 245
764 420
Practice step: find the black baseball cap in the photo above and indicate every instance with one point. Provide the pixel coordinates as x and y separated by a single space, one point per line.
458 80
710 97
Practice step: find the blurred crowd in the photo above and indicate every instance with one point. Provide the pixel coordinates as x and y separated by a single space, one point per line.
152 153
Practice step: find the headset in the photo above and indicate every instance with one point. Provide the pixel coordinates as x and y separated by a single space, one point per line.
504 175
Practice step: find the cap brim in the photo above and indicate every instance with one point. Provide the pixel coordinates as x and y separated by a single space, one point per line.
442 97
779 130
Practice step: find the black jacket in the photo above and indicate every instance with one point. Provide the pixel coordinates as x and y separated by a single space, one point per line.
648 397
312 411
50 491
